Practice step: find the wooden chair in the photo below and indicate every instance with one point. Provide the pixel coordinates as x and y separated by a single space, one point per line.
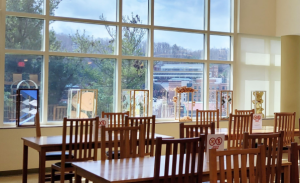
190 131
123 141
149 126
50 156
295 156
81 137
186 166
116 119
204 117
238 124
286 122
236 167
272 143
59 112
244 112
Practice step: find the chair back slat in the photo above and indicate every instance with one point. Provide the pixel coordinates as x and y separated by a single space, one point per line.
286 122
190 131
240 165
126 141
244 112
37 124
81 137
149 129
295 156
238 124
273 144
115 119
204 117
183 167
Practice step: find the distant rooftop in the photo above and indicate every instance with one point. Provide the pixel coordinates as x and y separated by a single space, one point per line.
182 67
180 79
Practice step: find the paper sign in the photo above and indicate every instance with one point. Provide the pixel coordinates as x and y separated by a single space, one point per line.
257 121
102 122
215 141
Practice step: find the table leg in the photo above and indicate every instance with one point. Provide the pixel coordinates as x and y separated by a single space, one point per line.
25 163
42 166
77 177
286 174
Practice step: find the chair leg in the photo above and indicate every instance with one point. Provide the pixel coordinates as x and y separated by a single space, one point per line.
86 181
52 175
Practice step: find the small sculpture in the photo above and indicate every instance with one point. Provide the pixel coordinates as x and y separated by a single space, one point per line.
174 99
258 102
183 89
189 103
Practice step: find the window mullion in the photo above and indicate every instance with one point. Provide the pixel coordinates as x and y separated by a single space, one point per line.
45 64
119 58
2 58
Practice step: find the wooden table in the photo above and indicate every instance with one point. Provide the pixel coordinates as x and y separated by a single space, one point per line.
45 144
265 129
134 170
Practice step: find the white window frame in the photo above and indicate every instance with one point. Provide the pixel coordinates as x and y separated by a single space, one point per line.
119 57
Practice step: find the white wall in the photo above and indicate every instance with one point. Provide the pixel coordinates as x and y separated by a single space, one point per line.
257 17
258 67
287 17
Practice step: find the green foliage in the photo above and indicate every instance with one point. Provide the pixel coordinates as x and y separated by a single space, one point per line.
71 72
134 72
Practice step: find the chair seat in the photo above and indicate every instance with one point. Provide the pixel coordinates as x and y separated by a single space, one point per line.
55 155
285 148
67 164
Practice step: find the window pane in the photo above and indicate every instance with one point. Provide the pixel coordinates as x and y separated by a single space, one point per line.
25 71
134 41
87 9
79 73
220 48
172 44
26 6
220 15
135 11
219 79
166 77
178 13
24 33
134 74
82 38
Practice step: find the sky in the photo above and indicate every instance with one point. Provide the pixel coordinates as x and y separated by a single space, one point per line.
172 13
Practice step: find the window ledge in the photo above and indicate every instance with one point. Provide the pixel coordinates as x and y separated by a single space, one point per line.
158 121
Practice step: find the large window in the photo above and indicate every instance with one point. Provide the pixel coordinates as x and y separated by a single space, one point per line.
219 79
172 44
67 73
169 75
110 45
21 71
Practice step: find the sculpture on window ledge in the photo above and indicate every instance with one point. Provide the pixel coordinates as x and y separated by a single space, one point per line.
258 102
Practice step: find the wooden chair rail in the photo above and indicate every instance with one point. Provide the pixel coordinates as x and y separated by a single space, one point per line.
207 116
149 129
244 112
83 133
286 122
123 141
186 169
240 158
272 143
115 119
295 153
238 124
